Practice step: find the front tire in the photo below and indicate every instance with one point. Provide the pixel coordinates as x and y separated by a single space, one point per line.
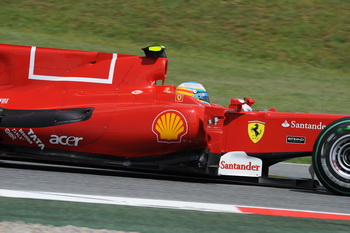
331 157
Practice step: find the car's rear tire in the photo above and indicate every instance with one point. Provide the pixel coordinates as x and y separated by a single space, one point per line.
331 157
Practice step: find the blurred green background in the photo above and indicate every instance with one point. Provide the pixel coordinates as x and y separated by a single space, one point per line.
293 55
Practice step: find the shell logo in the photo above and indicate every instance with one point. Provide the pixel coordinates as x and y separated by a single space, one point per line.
170 126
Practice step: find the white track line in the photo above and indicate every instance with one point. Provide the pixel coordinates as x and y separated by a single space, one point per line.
120 201
183 205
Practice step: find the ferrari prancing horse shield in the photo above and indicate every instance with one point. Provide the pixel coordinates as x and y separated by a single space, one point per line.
256 130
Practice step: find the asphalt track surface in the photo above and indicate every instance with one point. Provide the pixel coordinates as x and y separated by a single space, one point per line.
140 185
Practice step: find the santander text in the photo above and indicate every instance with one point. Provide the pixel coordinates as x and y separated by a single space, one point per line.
236 166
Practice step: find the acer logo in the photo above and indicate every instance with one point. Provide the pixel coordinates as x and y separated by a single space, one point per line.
65 140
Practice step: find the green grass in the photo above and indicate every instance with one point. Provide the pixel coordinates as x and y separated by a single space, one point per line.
286 87
292 55
303 160
312 32
154 220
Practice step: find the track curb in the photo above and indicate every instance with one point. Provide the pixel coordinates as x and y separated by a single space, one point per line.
169 204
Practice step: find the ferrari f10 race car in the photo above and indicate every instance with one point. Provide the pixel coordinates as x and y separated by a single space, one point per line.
114 110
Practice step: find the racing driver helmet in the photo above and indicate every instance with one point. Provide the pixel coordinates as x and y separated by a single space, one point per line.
195 90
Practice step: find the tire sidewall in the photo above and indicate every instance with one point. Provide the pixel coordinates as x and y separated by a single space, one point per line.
321 157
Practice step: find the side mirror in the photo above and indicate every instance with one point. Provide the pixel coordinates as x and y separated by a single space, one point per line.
236 104
249 101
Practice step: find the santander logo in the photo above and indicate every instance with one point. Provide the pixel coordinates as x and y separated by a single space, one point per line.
237 166
238 163
285 124
303 125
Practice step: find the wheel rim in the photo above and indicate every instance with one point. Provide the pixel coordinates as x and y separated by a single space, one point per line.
340 157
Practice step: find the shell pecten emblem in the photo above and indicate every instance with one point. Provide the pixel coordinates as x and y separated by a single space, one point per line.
170 126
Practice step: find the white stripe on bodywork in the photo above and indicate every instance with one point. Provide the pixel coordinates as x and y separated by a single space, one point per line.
31 74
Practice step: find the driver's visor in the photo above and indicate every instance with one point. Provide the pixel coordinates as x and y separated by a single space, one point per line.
203 96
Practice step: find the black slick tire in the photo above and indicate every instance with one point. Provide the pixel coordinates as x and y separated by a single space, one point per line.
331 157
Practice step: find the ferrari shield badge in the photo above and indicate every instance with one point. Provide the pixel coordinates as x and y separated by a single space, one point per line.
256 130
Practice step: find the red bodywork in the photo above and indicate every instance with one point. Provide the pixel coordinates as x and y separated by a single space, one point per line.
114 104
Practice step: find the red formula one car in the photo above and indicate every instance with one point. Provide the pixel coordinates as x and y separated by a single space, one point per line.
114 110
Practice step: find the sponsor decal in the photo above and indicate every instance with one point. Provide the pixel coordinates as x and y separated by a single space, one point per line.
213 121
136 92
29 136
179 98
167 90
4 100
170 126
35 139
238 163
65 140
285 124
11 134
256 130
214 124
237 166
296 140
303 125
